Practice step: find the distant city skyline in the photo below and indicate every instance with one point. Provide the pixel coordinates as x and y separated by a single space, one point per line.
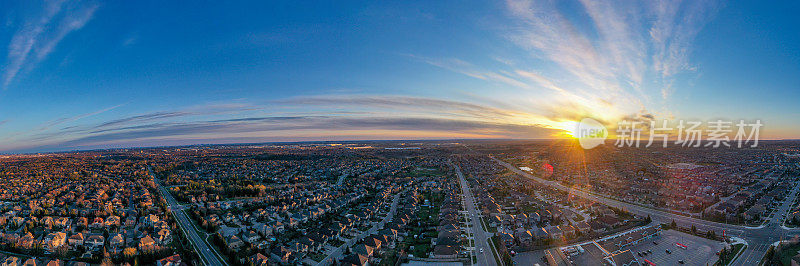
88 74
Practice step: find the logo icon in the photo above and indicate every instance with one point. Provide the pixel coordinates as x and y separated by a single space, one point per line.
590 133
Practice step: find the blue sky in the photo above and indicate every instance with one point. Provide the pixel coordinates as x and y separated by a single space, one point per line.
91 74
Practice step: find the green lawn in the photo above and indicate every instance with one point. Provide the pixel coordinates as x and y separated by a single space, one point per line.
419 172
734 251
787 253
492 230
488 228
316 256
429 215
421 250
496 241
529 208
388 259
335 242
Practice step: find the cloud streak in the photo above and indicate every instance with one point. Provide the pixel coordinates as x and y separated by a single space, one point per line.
604 60
629 51
269 128
40 34
65 120
379 116
430 106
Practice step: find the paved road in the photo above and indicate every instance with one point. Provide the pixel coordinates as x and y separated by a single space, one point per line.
756 249
201 247
481 237
757 237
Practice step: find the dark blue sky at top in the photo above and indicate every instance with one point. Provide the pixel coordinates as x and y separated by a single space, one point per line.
211 62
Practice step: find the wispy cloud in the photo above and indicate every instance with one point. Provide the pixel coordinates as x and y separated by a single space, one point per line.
466 68
630 51
201 110
38 35
676 25
605 60
142 118
272 128
611 68
65 120
130 40
427 106
378 116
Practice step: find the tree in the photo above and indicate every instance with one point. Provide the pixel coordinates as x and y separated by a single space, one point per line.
107 261
129 252
711 234
673 225
773 256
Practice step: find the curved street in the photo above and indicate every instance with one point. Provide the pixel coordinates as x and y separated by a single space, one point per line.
758 238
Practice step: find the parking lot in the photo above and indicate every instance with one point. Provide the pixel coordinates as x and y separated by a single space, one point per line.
699 251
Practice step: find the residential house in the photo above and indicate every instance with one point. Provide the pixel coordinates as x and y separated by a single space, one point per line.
76 240
94 241
146 242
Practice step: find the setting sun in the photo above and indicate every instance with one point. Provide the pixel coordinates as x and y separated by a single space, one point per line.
569 128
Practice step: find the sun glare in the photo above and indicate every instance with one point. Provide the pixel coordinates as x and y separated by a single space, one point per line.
569 128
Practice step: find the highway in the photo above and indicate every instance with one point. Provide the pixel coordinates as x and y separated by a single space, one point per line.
758 238
481 237
200 245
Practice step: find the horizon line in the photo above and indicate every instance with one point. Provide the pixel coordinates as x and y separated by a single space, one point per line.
309 141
